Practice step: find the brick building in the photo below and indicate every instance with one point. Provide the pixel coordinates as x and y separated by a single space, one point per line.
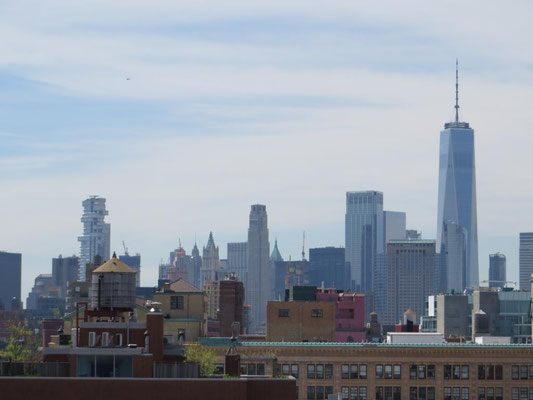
388 371
231 305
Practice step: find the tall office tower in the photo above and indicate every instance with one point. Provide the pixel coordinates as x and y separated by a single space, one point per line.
238 260
526 260
328 265
497 270
260 276
134 262
411 277
394 225
96 239
64 270
364 236
196 266
457 190
210 262
453 258
10 274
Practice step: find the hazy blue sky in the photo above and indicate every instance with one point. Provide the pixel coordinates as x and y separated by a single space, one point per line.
289 104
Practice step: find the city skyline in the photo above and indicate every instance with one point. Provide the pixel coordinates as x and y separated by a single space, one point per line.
280 78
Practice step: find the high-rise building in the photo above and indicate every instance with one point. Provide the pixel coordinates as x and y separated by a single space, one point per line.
96 239
411 277
260 276
134 262
364 236
64 270
210 262
457 192
238 260
394 225
526 260
497 270
453 257
327 265
196 260
10 275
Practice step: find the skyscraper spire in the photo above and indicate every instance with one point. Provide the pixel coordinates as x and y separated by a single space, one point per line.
456 90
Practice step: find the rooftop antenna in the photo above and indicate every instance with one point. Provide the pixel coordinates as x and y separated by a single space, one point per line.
303 248
456 90
125 248
179 243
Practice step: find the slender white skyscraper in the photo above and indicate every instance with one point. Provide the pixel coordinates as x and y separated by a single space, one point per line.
259 285
96 239
457 199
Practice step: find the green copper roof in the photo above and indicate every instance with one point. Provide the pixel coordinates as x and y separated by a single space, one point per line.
276 255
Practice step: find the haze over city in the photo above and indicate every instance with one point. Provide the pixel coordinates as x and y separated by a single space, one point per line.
182 116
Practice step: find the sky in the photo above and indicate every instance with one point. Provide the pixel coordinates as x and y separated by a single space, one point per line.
184 113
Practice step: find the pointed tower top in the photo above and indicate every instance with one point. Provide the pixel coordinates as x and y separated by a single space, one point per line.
276 255
456 123
211 241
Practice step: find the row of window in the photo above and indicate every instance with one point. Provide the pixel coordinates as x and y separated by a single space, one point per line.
353 393
521 393
286 313
457 372
388 393
319 392
253 369
456 393
388 371
489 393
290 370
319 371
421 393
422 371
490 372
522 372
353 371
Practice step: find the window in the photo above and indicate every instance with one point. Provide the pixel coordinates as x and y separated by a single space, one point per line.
379 371
362 392
311 372
421 372
514 394
320 371
379 392
413 393
294 370
465 372
481 372
176 302
397 374
353 393
456 372
514 372
344 371
388 371
523 372
465 394
251 369
329 371
523 393
317 313
320 392
328 390
431 393
354 374
412 371
490 393
260 369
456 393
481 393
531 372
397 393
490 372
345 391
286 369
431 371
422 393
362 373
498 393
284 313
310 393
447 393
448 373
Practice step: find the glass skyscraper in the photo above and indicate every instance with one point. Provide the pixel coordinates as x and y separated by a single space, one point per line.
457 201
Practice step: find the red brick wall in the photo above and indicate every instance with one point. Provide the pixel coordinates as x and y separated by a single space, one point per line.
142 389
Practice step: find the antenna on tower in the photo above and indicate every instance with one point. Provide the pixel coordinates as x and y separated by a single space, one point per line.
179 243
456 90
303 247
125 248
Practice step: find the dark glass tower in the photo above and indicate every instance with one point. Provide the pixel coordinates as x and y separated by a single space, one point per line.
457 203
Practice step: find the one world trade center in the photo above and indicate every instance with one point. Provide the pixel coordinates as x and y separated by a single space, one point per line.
457 211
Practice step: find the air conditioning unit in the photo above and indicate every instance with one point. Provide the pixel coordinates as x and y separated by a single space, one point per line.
92 339
105 339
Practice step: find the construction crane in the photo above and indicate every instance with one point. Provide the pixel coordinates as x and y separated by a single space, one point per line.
125 248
